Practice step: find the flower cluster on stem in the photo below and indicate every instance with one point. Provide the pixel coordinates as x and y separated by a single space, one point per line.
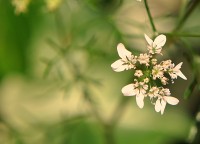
150 77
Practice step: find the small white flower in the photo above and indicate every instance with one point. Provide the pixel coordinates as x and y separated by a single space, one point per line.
138 73
127 60
162 101
165 92
166 64
164 80
156 45
154 61
138 89
175 71
157 71
146 80
144 59
153 92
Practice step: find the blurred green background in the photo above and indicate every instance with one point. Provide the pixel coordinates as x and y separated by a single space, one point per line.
56 83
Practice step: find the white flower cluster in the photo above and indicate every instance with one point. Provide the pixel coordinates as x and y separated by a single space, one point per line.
149 75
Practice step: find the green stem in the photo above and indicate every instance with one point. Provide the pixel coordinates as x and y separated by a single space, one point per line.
119 111
181 35
190 9
109 134
150 17
92 104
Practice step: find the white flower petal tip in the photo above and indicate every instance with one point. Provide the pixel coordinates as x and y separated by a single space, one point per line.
179 73
128 90
178 66
171 100
118 66
140 101
123 52
157 106
149 41
163 105
126 61
160 40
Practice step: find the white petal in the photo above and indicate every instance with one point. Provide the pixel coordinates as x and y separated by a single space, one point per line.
118 65
178 66
163 104
160 41
123 52
171 100
149 41
157 106
180 74
128 90
140 100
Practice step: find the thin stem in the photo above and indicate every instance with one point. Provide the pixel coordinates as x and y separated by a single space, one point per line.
190 9
88 98
119 110
109 134
181 35
150 17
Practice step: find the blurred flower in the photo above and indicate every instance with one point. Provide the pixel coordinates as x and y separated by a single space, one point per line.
20 5
127 60
154 61
146 80
53 4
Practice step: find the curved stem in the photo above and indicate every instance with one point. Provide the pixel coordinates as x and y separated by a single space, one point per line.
150 17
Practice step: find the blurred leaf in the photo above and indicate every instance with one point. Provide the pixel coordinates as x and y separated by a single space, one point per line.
125 136
75 131
14 40
104 5
87 133
190 89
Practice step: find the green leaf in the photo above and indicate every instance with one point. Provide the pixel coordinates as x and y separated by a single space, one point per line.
190 89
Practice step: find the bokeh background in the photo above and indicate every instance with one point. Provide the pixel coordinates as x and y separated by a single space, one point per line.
56 83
